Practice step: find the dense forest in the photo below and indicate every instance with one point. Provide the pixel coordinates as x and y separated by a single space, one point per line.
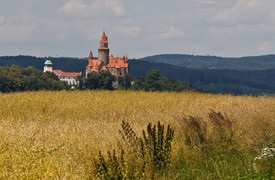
253 80
213 62
218 81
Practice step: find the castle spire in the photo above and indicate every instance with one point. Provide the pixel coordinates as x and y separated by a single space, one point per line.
90 56
104 38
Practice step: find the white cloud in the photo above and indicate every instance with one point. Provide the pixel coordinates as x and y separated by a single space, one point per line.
204 1
81 8
16 28
74 6
2 20
116 6
217 27
171 32
264 47
131 31
245 11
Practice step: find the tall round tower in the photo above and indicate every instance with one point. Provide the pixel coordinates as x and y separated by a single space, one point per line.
48 66
103 50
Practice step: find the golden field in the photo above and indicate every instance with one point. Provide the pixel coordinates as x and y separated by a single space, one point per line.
57 135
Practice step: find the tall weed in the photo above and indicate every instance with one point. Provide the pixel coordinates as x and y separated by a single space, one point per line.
147 156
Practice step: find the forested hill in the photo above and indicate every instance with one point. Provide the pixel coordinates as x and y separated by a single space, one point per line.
255 82
62 63
219 81
213 62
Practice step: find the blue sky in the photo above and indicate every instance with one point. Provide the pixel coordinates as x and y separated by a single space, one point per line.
229 28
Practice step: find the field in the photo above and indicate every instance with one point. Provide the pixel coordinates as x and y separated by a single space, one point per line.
57 135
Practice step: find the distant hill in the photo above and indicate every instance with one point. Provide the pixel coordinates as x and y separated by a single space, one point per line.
62 63
219 81
240 81
213 62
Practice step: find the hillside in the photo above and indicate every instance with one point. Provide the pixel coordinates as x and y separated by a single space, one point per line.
218 81
63 63
255 82
213 62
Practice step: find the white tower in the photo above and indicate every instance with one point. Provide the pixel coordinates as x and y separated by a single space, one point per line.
48 66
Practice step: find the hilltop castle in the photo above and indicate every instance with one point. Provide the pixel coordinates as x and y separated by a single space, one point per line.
117 66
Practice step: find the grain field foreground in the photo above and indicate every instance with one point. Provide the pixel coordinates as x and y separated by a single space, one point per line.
57 135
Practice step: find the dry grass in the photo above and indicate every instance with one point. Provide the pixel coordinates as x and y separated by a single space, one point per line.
50 135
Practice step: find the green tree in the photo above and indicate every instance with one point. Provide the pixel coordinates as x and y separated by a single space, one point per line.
99 80
15 78
152 80
138 83
124 82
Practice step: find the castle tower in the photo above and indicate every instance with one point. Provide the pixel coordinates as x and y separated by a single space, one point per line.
90 57
103 50
48 66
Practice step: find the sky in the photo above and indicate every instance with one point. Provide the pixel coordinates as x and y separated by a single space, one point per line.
137 28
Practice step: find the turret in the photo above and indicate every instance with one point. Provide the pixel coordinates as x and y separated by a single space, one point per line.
103 50
90 57
48 66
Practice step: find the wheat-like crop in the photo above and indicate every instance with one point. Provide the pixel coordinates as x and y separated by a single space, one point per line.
46 135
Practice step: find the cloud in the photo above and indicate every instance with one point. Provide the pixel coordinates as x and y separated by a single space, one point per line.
131 31
204 1
70 27
74 6
245 11
264 47
116 6
2 20
171 32
16 28
81 8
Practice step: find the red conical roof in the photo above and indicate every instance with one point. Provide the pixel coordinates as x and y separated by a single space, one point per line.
104 38
90 55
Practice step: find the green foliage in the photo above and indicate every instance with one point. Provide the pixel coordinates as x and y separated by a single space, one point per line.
146 156
217 155
154 81
265 162
112 168
213 62
124 82
158 144
246 75
99 80
15 78
255 82
64 63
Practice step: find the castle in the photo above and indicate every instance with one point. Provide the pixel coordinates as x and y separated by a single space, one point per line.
117 66
71 78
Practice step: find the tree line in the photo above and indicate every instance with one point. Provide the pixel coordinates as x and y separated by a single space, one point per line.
16 79
218 81
153 81
255 82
